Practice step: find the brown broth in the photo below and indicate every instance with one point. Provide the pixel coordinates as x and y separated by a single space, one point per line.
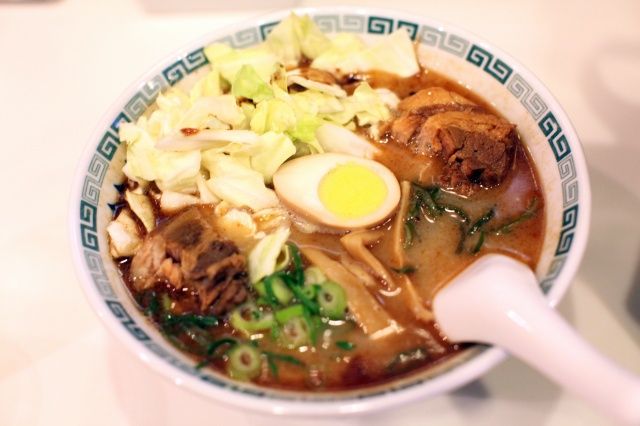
434 256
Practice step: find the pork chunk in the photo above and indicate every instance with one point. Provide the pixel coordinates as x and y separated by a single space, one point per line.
434 98
476 147
186 251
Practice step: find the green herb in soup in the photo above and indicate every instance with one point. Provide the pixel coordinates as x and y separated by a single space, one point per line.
290 212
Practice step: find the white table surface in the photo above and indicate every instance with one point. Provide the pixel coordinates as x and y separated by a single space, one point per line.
63 63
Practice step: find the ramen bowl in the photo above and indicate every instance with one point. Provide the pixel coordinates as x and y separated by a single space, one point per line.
486 70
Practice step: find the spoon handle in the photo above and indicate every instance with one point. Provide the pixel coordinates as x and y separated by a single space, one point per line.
497 300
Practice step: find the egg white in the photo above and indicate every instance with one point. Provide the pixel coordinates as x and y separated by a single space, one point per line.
297 181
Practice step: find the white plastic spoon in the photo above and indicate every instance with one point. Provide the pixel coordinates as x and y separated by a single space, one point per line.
497 300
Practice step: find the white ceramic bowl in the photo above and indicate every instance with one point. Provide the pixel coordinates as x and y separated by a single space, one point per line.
489 72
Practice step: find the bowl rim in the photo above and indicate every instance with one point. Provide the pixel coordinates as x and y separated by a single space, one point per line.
464 373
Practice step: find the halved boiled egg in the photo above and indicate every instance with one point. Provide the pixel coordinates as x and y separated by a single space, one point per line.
338 190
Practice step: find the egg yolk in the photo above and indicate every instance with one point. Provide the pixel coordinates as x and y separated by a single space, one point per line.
351 191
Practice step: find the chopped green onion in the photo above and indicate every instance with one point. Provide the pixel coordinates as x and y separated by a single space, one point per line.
432 208
312 325
409 234
310 291
408 269
314 275
153 307
273 357
273 367
332 300
269 294
295 333
479 243
283 259
201 321
213 346
298 270
463 237
413 212
293 311
344 345
248 319
307 301
262 301
285 358
244 362
482 221
299 293
274 291
434 191
281 291
275 331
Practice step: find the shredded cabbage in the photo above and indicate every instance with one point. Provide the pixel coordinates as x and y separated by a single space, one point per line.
233 180
172 106
264 255
281 115
141 206
365 104
206 195
313 102
305 131
274 149
175 171
389 98
393 53
215 51
273 115
173 201
209 85
343 46
248 84
124 238
228 62
295 36
222 108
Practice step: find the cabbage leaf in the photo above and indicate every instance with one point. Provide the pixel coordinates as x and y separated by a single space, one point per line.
263 257
393 53
228 62
274 149
209 85
233 180
248 84
296 36
365 104
273 115
213 112
176 171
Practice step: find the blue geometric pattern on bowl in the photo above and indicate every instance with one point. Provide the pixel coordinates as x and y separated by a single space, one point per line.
429 36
